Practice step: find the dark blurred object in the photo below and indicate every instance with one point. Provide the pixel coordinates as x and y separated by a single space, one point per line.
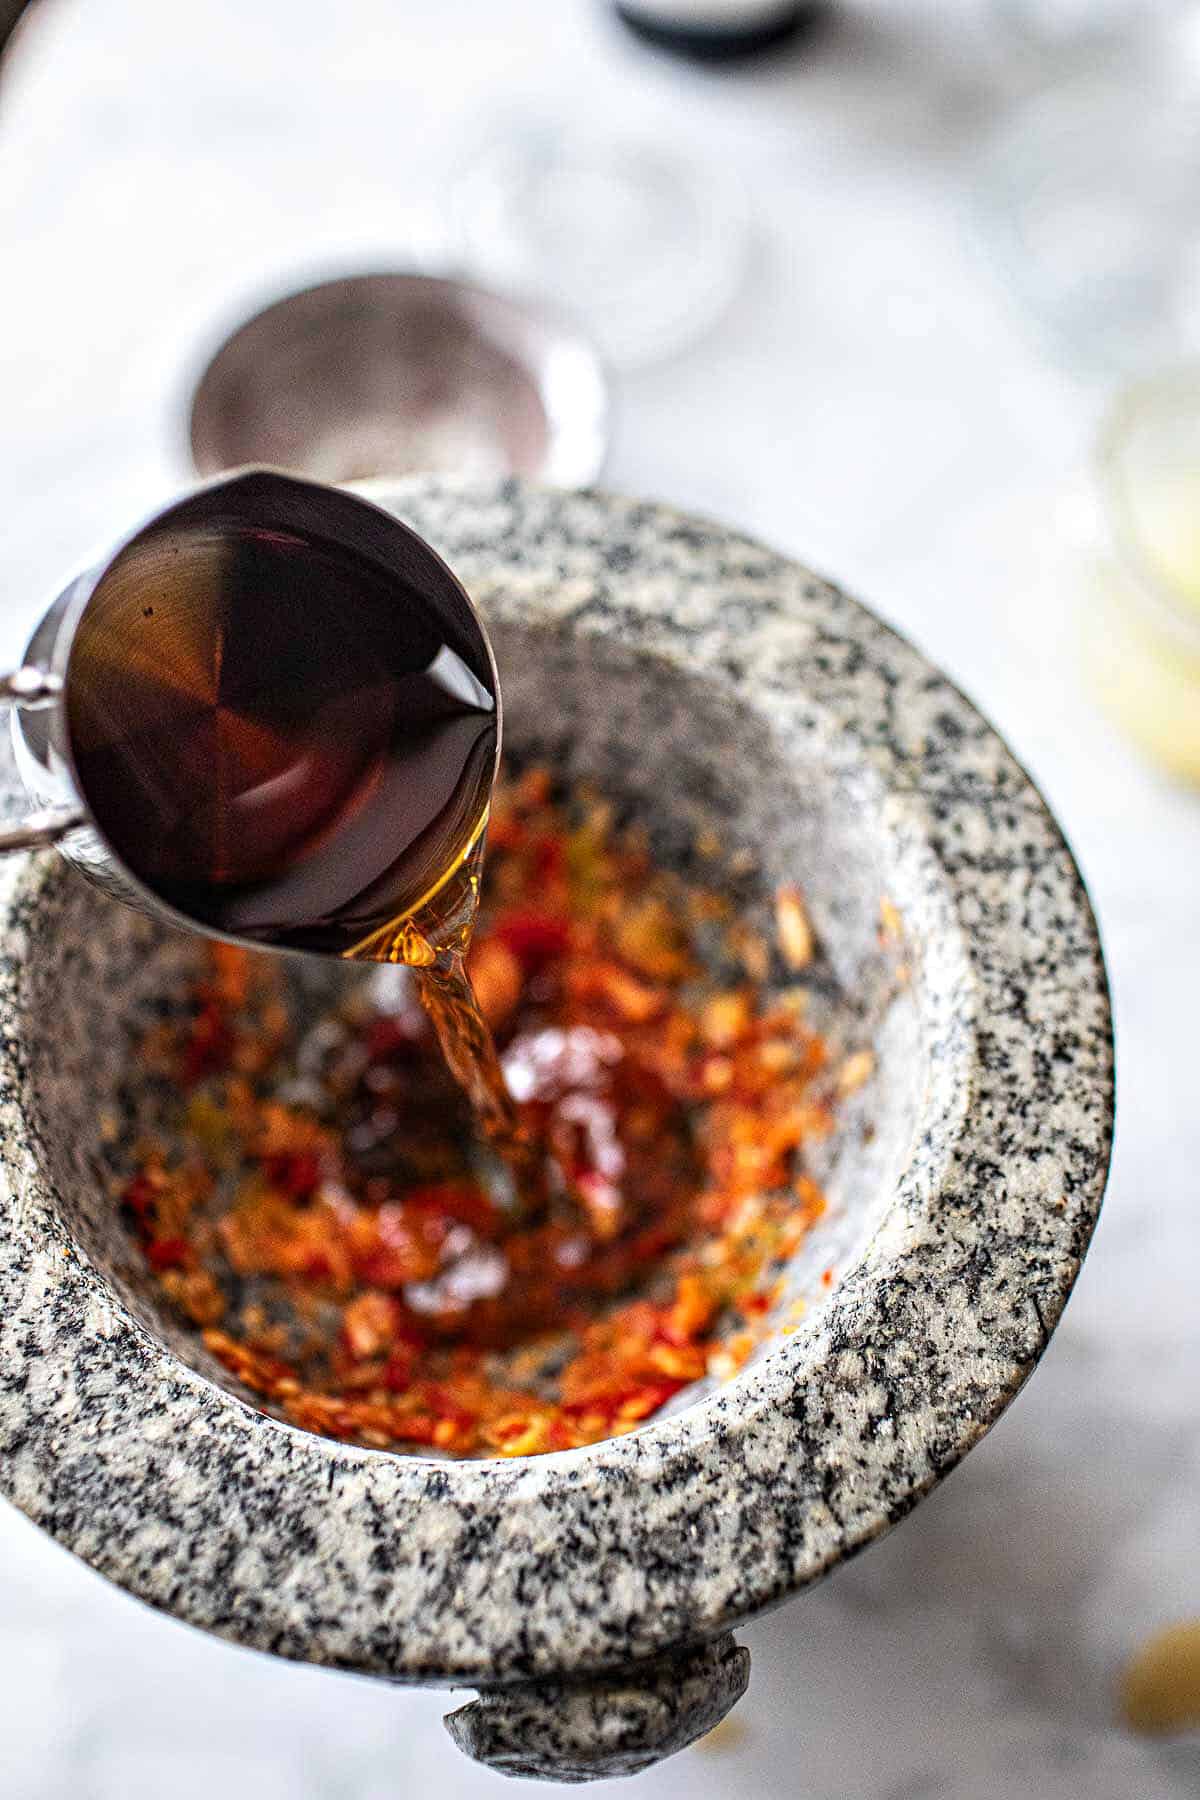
381 374
10 16
719 30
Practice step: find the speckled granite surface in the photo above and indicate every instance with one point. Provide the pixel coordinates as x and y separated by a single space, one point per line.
583 1730
483 1573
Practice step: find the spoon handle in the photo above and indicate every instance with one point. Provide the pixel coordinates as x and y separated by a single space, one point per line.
31 688
40 829
34 689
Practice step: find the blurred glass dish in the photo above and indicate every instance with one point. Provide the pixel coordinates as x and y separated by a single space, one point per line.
382 374
1074 26
646 247
1091 199
1141 624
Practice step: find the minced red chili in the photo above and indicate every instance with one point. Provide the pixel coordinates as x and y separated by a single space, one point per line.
327 1216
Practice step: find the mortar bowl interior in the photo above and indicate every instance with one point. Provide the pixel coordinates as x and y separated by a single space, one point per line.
678 752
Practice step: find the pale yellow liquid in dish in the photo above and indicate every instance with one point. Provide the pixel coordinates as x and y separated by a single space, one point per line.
1144 669
1165 517
1160 1685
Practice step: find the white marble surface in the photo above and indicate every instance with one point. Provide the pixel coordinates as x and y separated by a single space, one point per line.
872 402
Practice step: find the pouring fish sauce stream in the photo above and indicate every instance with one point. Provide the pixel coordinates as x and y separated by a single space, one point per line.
294 747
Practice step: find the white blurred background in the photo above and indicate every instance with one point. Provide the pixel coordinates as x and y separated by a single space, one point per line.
880 398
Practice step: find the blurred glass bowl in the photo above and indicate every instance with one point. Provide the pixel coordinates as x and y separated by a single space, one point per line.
629 235
1091 199
386 374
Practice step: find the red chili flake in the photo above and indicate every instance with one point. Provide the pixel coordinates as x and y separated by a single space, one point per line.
416 1428
210 1045
318 1265
389 1269
295 1172
399 1369
451 1201
550 859
505 832
141 1195
369 1325
533 938
168 1253
386 1034
445 1406
561 1437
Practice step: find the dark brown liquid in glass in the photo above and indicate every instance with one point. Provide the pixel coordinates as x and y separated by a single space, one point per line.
293 746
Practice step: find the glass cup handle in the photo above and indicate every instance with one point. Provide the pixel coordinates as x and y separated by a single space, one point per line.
33 690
